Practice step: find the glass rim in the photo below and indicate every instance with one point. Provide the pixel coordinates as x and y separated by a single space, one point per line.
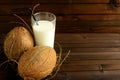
45 13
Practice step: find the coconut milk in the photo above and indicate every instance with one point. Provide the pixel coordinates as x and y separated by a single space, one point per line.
44 32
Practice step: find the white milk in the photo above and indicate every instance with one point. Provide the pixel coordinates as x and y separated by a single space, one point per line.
44 33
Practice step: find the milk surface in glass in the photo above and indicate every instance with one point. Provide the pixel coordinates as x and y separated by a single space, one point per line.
44 32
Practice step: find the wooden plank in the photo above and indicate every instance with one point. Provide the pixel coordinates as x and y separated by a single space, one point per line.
80 23
94 35
88 38
76 68
60 8
92 62
97 65
111 67
92 45
85 41
54 1
104 67
92 28
92 17
67 18
92 55
89 75
89 29
89 26
106 29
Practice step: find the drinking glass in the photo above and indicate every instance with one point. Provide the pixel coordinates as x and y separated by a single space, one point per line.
43 25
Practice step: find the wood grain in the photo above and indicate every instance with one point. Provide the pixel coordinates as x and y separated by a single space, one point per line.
84 16
67 18
54 1
60 8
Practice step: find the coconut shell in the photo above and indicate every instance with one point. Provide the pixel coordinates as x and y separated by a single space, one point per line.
37 63
16 42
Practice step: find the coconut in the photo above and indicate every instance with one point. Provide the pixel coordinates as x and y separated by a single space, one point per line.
16 42
37 63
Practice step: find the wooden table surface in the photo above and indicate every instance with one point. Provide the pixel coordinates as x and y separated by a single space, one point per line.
94 56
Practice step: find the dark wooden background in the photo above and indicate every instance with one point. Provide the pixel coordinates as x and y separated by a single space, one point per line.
74 16
89 28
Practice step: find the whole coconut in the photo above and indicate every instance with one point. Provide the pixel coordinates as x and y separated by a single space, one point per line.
16 42
37 63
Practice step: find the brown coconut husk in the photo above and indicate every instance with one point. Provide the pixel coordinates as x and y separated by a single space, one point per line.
28 68
27 27
28 33
37 62
17 41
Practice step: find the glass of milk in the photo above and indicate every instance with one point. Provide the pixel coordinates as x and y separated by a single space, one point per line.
43 24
